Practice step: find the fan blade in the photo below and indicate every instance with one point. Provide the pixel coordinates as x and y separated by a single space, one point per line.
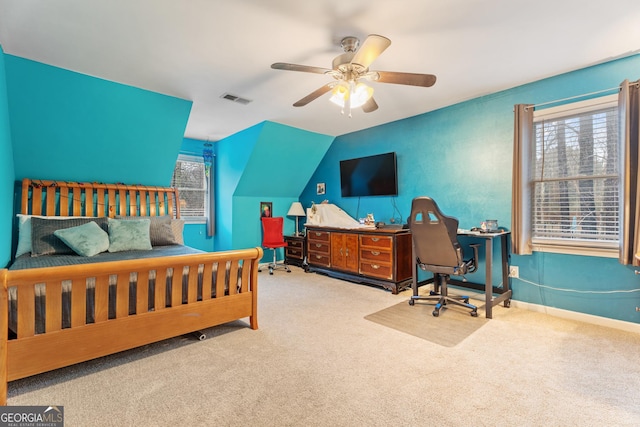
315 94
372 47
303 68
370 105
412 79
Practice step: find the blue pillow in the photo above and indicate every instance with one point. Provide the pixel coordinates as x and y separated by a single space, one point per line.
44 242
86 240
129 235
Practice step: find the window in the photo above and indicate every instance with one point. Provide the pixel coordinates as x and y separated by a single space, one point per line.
574 178
190 179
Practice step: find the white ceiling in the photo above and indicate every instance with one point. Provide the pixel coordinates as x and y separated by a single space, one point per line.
201 49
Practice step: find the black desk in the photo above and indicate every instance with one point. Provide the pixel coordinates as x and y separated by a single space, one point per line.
504 293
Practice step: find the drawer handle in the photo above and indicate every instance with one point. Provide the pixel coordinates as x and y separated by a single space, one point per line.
318 234
318 257
375 253
374 239
375 266
318 245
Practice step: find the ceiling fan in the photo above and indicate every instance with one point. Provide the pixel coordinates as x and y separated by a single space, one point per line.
350 68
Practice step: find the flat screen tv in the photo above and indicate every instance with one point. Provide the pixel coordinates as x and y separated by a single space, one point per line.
369 176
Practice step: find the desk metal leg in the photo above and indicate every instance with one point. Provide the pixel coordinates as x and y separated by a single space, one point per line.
488 287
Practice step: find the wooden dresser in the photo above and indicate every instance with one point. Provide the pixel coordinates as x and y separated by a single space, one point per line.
373 256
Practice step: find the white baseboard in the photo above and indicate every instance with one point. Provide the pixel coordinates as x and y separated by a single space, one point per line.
581 317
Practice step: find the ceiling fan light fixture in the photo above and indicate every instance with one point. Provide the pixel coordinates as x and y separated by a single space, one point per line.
340 94
359 94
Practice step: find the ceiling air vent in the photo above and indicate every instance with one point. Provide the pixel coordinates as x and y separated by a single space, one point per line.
235 98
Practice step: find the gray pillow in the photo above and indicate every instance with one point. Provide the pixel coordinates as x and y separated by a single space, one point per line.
160 231
86 239
44 242
177 225
129 235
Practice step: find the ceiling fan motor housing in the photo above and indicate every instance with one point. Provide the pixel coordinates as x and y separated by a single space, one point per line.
350 44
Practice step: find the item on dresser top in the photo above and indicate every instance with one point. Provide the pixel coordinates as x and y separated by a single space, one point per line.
330 215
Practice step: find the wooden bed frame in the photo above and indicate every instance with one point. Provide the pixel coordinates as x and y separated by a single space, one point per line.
31 353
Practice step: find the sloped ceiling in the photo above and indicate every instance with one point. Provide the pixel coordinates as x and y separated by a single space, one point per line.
200 49
282 161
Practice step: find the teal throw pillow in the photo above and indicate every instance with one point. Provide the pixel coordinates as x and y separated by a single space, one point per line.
129 235
86 240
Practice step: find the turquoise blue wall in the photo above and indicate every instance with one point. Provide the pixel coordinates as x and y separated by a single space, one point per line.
74 127
6 170
462 157
232 156
268 162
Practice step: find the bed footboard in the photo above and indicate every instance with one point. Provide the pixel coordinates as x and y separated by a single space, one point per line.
220 287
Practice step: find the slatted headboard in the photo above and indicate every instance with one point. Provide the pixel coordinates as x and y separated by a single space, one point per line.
60 198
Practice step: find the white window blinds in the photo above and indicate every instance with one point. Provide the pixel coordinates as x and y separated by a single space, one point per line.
190 179
575 176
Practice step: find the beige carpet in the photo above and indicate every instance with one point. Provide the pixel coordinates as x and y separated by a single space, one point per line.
449 329
316 361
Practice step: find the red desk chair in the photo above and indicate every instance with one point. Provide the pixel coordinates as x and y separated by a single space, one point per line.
273 238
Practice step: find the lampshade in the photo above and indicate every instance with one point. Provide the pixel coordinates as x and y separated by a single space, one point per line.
296 209
359 94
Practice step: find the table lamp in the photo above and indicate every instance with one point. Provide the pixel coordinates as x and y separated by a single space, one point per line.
296 210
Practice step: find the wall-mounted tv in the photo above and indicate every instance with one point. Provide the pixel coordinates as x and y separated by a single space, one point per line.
369 176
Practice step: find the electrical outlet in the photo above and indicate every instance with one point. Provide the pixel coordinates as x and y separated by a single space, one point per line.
514 271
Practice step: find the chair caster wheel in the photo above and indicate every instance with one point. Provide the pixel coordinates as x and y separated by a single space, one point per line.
474 314
436 313
411 302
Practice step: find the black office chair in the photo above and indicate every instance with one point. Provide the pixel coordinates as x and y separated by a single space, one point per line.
436 249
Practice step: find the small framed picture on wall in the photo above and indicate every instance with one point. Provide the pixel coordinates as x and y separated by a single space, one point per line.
320 188
266 209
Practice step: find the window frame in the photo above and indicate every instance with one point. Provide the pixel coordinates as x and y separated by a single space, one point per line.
609 249
207 191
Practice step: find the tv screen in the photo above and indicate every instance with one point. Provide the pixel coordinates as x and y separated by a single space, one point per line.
369 176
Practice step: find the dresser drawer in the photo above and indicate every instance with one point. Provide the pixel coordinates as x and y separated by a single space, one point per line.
318 247
319 259
295 243
382 242
294 253
373 269
376 255
318 236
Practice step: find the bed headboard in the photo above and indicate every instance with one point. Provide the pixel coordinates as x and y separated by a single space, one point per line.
60 198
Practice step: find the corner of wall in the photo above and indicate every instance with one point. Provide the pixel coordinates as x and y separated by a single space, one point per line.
7 173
